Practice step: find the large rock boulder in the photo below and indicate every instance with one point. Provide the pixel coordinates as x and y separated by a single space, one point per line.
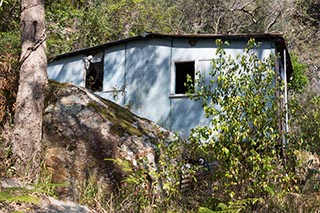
84 134
12 190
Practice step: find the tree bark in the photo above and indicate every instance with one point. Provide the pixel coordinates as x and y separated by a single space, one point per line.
33 83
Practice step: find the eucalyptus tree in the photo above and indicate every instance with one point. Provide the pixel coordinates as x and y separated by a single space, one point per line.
232 16
33 82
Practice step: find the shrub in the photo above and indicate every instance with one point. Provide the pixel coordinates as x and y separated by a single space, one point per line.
243 106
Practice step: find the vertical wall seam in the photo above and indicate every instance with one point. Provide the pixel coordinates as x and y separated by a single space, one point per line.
170 70
125 74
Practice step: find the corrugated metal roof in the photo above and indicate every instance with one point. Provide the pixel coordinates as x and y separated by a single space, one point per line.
277 37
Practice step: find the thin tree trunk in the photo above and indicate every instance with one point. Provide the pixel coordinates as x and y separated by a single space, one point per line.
33 83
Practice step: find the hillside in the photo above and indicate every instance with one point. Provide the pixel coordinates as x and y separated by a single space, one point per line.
115 161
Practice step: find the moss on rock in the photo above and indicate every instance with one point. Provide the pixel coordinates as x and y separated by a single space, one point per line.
81 131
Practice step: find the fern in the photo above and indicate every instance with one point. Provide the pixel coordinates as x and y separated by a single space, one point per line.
18 195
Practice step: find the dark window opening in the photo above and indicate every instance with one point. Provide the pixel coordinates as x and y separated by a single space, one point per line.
94 72
183 69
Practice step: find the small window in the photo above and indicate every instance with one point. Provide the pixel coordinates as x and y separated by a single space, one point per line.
94 72
183 69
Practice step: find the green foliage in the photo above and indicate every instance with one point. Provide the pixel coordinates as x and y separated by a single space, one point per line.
31 193
305 120
9 56
18 195
27 194
136 189
299 79
83 24
243 138
243 132
149 189
170 162
10 17
232 207
90 193
10 42
241 103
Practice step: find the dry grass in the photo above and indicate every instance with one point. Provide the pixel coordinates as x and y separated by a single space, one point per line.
8 86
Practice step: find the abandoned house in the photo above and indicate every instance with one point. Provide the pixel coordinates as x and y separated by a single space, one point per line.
147 73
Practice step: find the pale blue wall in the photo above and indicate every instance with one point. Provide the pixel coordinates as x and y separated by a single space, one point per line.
145 68
114 74
185 113
148 79
67 70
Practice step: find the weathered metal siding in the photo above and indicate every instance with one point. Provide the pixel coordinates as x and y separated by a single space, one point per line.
148 79
67 70
185 113
114 74
145 69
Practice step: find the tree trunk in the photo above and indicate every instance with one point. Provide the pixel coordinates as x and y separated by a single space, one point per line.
33 83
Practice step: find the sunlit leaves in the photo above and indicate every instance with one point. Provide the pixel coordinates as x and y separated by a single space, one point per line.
299 79
244 112
78 24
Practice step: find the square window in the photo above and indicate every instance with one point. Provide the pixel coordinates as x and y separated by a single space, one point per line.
183 69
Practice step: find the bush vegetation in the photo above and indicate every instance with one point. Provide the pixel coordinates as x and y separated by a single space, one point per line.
247 166
246 162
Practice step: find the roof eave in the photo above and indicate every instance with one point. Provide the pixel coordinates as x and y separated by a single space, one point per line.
277 37
163 35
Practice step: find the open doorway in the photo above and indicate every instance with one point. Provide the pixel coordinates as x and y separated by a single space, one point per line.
93 64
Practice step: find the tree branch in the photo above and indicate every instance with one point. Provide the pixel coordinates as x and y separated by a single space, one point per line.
273 21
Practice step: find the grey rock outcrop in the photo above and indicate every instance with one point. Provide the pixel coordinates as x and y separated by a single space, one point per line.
40 204
84 134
